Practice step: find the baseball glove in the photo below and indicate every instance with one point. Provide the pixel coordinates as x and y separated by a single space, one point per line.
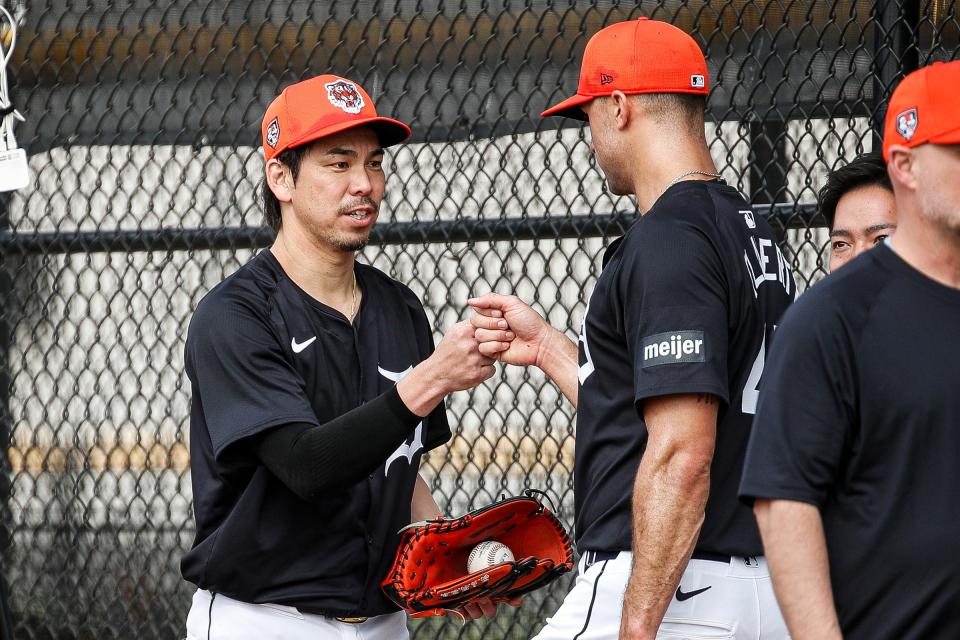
429 574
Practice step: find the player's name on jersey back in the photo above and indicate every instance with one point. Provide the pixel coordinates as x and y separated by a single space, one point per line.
765 262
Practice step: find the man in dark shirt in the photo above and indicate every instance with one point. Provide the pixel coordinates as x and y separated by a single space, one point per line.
316 389
670 355
854 460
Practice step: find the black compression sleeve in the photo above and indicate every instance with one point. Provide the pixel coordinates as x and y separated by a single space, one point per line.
310 459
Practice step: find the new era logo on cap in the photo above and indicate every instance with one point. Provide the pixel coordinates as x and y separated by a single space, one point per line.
605 78
344 95
907 123
273 132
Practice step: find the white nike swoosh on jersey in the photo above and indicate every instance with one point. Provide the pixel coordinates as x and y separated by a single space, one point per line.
300 346
404 450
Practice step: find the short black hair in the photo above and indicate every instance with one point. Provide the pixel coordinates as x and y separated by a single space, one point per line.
866 170
292 159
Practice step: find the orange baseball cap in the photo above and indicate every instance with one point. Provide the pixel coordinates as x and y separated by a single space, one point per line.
923 108
638 56
319 107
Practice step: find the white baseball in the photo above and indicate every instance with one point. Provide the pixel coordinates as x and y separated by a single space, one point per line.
486 554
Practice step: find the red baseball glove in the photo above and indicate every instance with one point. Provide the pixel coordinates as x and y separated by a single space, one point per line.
430 576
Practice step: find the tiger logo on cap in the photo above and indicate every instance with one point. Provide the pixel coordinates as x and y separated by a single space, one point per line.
907 123
344 95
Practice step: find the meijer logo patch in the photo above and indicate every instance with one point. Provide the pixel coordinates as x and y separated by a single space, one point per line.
673 347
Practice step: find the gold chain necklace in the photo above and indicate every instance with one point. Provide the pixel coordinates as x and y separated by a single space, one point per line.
353 306
687 174
690 173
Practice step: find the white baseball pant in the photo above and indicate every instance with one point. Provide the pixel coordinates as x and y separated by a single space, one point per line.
730 600
217 617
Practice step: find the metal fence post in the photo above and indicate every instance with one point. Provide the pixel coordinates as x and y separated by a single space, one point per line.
768 166
6 287
896 53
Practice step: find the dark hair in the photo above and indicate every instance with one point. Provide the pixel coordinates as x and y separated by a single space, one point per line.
863 171
683 108
291 158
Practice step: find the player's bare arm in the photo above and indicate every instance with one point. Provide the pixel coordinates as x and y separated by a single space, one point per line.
509 330
669 497
455 365
422 505
796 549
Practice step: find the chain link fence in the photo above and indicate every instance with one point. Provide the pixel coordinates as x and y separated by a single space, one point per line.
143 131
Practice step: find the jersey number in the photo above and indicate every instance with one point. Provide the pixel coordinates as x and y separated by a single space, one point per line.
751 390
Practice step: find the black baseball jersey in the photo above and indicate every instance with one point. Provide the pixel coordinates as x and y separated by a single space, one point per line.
262 353
686 303
859 415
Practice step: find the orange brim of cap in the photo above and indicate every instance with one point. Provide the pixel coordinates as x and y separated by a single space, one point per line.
389 131
569 108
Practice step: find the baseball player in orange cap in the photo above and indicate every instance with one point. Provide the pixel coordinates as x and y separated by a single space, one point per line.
670 354
316 389
854 460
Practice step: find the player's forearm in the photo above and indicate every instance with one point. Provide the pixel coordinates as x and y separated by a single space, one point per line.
796 550
558 358
423 388
423 506
669 497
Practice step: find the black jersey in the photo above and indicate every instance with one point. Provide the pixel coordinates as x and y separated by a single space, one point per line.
685 304
262 353
860 415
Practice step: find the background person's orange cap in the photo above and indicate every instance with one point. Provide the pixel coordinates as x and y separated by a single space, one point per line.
320 107
924 108
637 56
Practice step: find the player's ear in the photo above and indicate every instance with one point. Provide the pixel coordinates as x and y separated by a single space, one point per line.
623 109
902 166
279 180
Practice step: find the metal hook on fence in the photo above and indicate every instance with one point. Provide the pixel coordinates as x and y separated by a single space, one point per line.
450 254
